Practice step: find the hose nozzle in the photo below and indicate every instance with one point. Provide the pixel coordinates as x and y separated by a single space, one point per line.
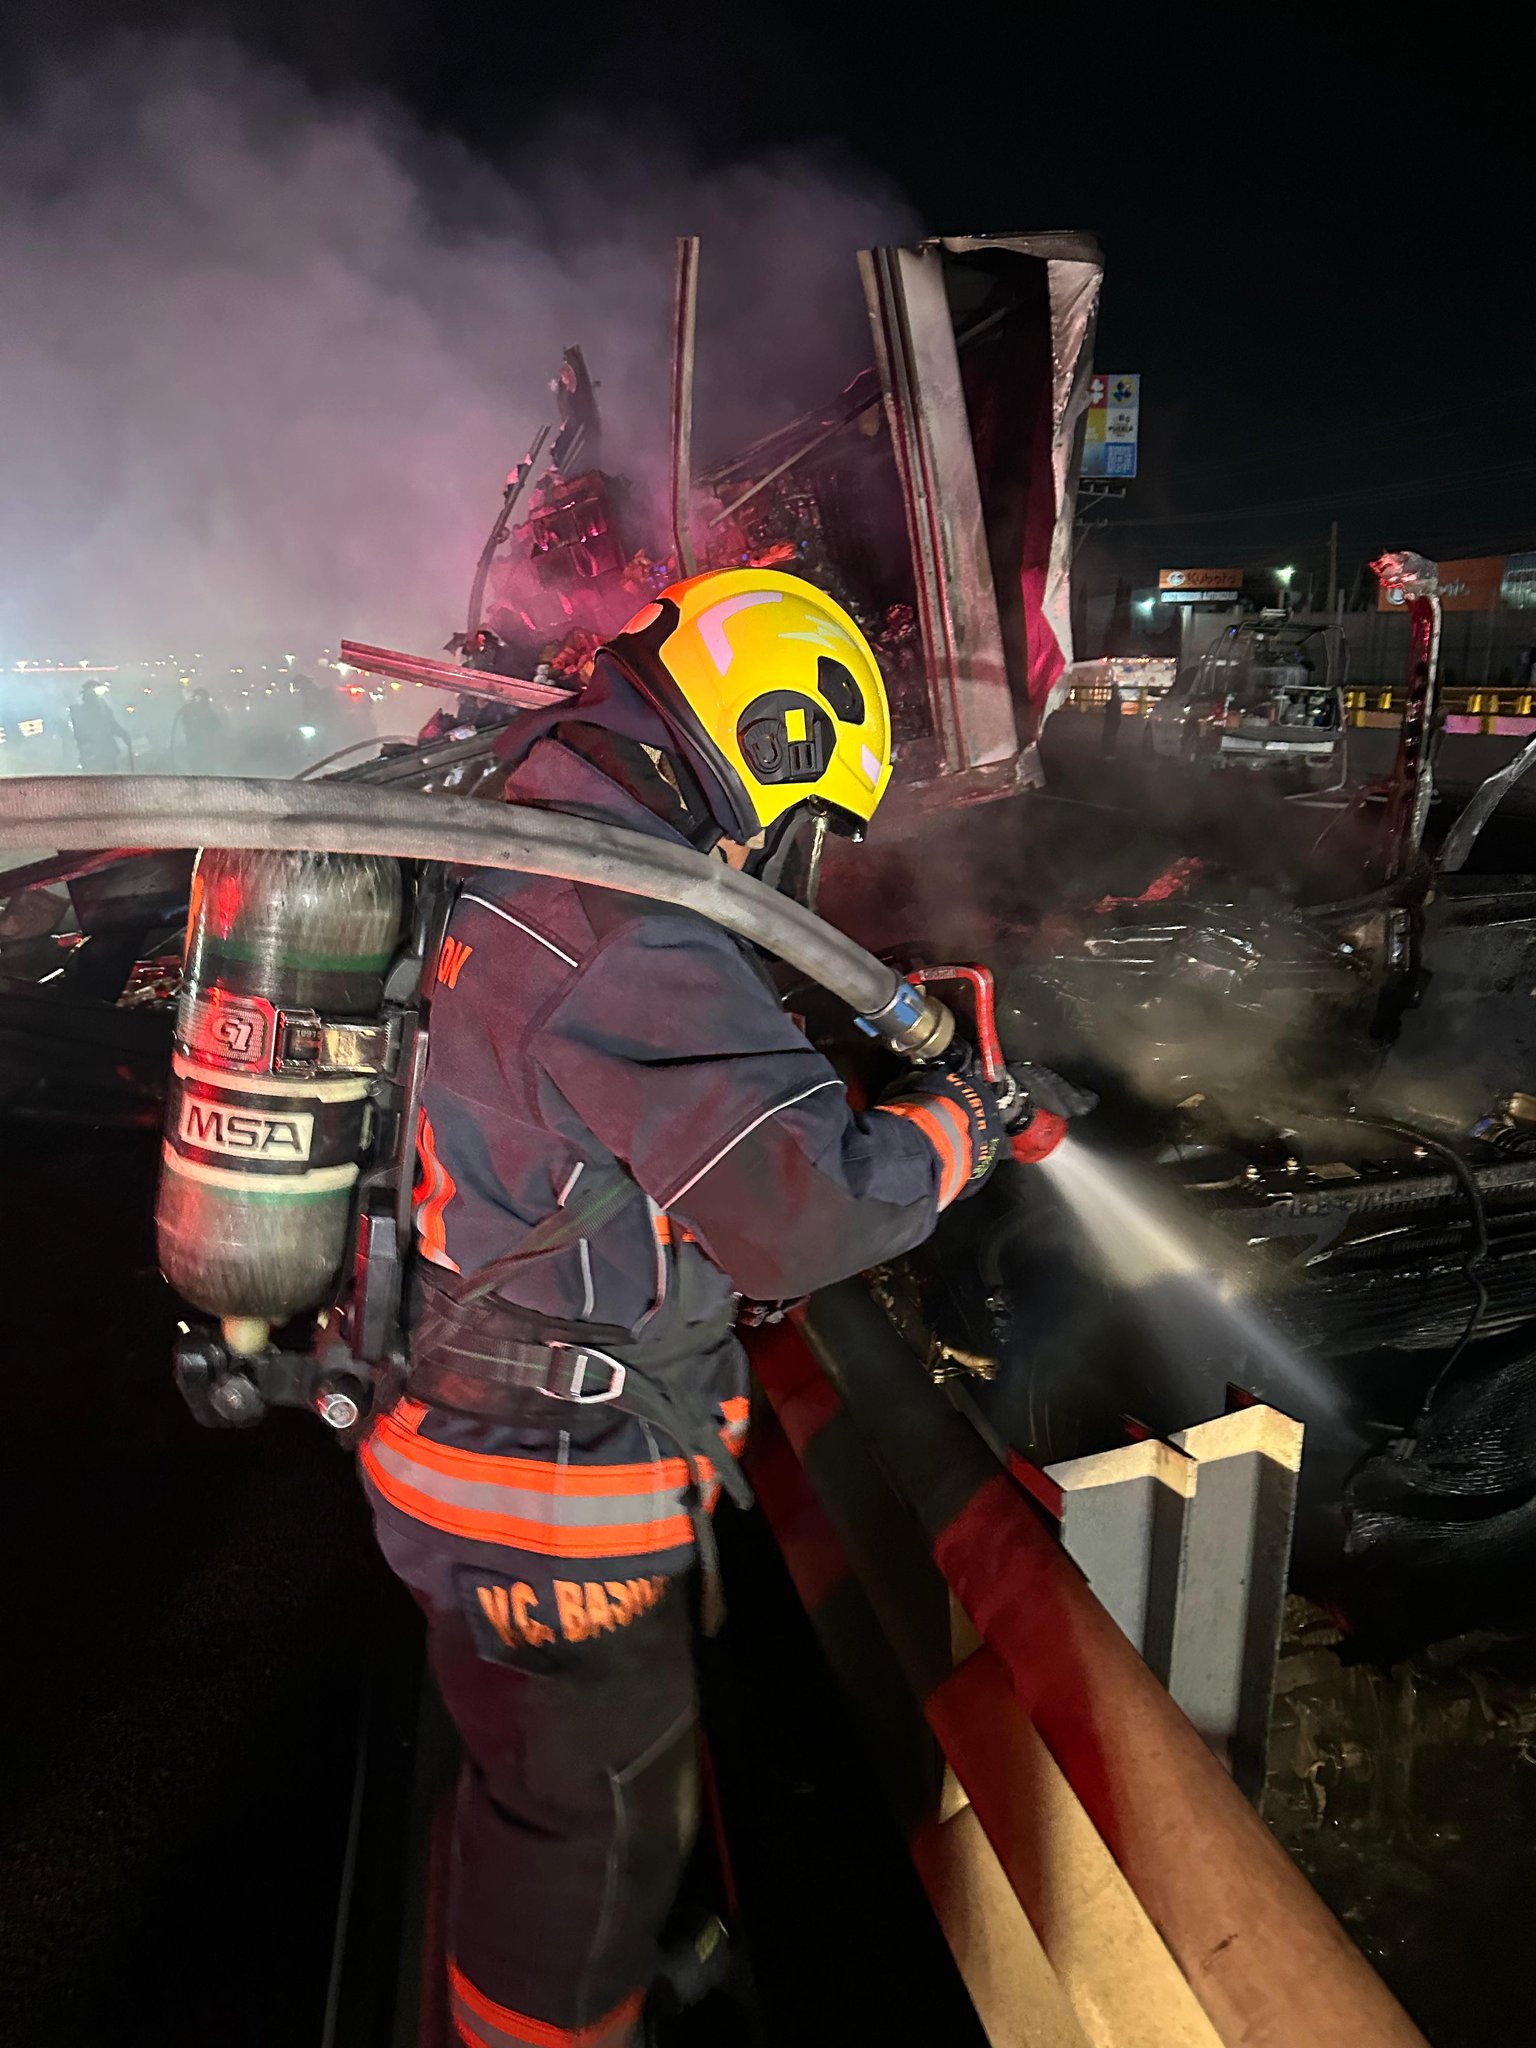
912 1023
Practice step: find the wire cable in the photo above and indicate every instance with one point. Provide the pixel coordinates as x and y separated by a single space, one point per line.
1471 1263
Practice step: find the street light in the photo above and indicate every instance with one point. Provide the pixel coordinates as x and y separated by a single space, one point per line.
1283 577
1144 605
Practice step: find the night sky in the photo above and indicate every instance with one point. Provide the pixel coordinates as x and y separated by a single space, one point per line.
1318 230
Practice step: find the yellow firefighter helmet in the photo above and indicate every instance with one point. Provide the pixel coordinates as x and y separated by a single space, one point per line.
773 692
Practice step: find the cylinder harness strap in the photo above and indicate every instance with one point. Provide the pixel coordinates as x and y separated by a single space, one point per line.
485 1370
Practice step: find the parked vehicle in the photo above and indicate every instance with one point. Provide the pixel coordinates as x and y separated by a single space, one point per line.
1266 696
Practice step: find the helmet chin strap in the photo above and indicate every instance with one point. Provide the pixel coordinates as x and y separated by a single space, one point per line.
702 830
789 859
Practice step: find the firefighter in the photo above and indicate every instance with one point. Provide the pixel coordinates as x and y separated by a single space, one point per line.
198 734
623 1134
99 735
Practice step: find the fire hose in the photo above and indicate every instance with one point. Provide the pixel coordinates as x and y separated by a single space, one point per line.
149 812
299 1051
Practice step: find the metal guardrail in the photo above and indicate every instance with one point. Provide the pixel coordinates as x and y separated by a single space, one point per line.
1265 1960
1485 708
1095 696
1466 707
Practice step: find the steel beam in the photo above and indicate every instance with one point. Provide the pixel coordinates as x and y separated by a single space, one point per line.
685 313
1124 1518
919 367
1187 1546
1237 1553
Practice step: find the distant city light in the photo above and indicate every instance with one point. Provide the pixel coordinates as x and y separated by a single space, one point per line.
65 668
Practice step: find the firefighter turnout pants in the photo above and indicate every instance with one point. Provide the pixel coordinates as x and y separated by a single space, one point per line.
557 1582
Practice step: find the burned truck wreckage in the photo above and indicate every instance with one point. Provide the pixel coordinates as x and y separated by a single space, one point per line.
1311 1175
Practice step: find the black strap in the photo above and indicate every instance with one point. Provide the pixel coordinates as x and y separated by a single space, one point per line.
457 1377
560 1229
463 1379
472 1381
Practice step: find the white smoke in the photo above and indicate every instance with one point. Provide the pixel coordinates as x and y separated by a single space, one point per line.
265 360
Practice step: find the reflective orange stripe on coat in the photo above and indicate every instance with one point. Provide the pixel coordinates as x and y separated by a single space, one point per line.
431 1195
736 1413
483 2023
948 1130
554 1510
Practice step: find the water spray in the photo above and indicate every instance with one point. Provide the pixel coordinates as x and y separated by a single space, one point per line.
1144 1251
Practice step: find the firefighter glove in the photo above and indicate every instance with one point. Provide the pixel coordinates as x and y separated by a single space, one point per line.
959 1114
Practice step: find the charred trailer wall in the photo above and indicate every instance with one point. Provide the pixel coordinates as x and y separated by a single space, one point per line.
983 346
1003 304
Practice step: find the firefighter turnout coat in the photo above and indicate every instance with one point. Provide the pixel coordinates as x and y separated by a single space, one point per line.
578 1034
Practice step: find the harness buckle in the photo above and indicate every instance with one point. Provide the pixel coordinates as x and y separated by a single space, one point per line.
578 1393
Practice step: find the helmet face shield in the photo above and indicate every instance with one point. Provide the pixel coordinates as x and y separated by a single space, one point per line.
772 691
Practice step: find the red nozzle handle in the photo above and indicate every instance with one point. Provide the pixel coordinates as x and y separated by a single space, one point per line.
989 1047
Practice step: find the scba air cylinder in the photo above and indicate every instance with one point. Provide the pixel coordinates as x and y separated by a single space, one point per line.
263 1136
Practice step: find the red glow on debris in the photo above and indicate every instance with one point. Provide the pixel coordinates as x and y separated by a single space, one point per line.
771 557
225 909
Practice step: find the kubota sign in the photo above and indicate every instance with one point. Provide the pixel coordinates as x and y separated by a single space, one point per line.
1199 579
1199 586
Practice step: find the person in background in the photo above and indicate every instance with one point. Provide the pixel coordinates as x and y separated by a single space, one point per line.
100 741
1109 736
197 742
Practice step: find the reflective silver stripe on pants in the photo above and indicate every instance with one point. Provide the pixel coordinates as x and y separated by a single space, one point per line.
556 1510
